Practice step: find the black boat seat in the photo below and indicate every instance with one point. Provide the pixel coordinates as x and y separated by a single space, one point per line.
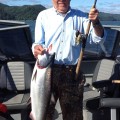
15 84
109 91
113 104
102 74
110 102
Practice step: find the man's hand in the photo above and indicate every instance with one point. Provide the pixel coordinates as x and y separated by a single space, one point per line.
38 49
93 15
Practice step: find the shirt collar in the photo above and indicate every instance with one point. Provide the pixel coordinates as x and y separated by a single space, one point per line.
61 13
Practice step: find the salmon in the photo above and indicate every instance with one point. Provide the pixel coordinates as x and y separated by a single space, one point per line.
41 85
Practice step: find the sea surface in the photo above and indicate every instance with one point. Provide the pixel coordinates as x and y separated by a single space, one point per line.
108 45
32 25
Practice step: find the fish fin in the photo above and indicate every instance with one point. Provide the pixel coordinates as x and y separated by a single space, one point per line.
49 48
31 116
34 76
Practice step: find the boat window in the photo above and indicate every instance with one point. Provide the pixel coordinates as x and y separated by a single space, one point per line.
14 44
6 24
105 49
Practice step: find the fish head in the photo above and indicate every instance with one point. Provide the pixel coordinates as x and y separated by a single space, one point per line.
46 59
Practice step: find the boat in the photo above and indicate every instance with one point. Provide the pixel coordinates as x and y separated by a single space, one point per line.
15 51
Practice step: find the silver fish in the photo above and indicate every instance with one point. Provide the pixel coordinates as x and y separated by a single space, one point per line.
41 86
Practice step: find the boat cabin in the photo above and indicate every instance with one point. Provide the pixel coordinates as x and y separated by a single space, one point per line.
100 66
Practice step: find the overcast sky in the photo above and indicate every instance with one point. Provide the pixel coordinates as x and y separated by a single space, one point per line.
109 6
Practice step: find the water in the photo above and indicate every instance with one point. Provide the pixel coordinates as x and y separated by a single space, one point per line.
32 25
92 47
111 23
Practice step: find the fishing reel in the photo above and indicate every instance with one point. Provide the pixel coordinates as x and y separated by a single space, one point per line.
80 38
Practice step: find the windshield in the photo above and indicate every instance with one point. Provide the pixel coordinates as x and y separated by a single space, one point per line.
15 43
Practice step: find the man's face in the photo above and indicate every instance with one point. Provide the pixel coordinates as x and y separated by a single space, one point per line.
62 6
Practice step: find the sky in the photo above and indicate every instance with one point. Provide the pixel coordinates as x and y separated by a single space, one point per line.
107 6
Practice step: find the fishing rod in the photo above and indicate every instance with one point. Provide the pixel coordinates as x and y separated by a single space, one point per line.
84 39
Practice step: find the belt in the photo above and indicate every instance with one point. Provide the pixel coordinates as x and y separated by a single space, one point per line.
63 66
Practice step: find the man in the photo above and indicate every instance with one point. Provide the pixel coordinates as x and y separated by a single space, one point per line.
58 26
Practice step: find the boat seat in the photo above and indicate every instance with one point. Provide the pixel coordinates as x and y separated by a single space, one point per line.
103 73
110 94
15 80
106 70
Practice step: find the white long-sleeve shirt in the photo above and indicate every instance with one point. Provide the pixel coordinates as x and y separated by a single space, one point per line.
60 31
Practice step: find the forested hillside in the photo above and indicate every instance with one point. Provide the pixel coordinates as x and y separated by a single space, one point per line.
109 17
30 12
26 12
